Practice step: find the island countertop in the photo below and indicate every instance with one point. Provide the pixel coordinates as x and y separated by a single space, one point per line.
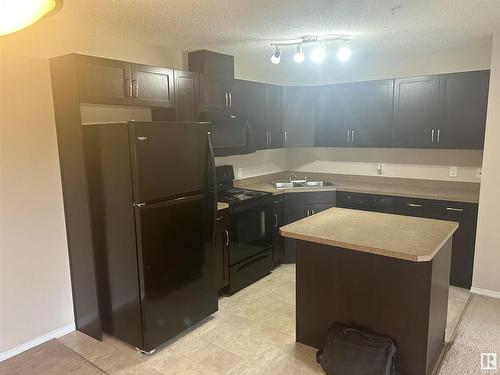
403 237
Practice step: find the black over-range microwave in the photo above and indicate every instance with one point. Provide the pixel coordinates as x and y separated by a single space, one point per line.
231 133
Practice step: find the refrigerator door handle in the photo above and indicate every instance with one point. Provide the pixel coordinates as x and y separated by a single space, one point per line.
212 178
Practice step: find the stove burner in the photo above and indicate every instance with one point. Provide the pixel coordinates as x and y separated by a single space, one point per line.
234 196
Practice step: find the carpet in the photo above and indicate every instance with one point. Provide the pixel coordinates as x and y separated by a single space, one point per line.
478 332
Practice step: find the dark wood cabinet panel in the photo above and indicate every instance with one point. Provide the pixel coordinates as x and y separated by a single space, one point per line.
104 81
366 202
415 112
216 66
274 116
187 92
463 99
279 221
213 95
335 115
258 118
464 239
298 116
152 86
241 96
373 114
222 249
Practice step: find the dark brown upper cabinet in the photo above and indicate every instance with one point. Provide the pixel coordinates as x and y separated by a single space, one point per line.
298 116
106 81
213 65
373 114
152 86
267 116
335 115
463 99
213 95
187 92
274 116
416 112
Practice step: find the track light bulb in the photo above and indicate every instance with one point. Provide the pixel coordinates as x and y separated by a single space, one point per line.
318 54
276 57
299 55
344 54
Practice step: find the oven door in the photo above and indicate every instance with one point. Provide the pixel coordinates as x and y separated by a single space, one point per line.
250 230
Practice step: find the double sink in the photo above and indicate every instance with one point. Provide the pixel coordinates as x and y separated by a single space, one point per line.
300 184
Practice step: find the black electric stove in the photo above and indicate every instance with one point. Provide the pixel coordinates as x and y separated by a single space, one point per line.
250 234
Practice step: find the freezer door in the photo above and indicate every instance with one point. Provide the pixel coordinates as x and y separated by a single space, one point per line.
177 266
168 159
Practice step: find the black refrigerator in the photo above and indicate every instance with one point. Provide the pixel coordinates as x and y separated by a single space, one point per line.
152 194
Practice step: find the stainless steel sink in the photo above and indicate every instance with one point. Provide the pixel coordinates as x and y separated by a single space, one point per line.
302 184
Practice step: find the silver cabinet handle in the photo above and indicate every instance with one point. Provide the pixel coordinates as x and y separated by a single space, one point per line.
270 137
455 209
276 220
284 137
307 213
352 136
348 136
230 99
312 212
226 234
226 101
129 88
414 205
135 89
439 136
432 136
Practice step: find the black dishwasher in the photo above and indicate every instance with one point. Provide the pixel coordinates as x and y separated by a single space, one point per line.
366 202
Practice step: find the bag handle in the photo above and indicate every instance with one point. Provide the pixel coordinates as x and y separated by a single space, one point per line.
354 330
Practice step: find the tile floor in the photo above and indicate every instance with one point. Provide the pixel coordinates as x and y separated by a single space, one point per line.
252 333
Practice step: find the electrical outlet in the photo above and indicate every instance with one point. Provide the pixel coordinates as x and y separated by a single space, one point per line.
453 171
240 172
479 172
380 168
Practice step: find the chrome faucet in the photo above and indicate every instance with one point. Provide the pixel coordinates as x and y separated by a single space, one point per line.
295 178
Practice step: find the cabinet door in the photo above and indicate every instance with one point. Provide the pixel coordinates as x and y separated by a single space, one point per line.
415 111
240 96
463 99
373 111
186 95
298 116
153 86
335 115
274 115
222 250
293 213
257 116
104 81
315 208
278 221
213 95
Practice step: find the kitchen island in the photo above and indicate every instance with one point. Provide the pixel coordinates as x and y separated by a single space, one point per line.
388 274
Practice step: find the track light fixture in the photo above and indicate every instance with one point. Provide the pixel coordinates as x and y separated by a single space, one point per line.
318 53
299 55
276 57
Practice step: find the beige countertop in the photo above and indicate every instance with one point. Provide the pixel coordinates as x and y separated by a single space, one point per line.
403 237
221 206
403 187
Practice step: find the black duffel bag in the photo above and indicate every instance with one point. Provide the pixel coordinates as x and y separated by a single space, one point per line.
349 351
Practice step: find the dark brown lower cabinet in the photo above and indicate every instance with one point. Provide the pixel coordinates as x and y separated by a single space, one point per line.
279 220
464 239
222 248
298 206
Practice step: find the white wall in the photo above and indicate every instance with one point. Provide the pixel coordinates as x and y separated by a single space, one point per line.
487 259
256 164
35 291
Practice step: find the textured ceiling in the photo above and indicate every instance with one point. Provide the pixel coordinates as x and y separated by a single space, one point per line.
243 28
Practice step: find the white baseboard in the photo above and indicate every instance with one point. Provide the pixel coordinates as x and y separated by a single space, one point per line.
37 341
485 292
